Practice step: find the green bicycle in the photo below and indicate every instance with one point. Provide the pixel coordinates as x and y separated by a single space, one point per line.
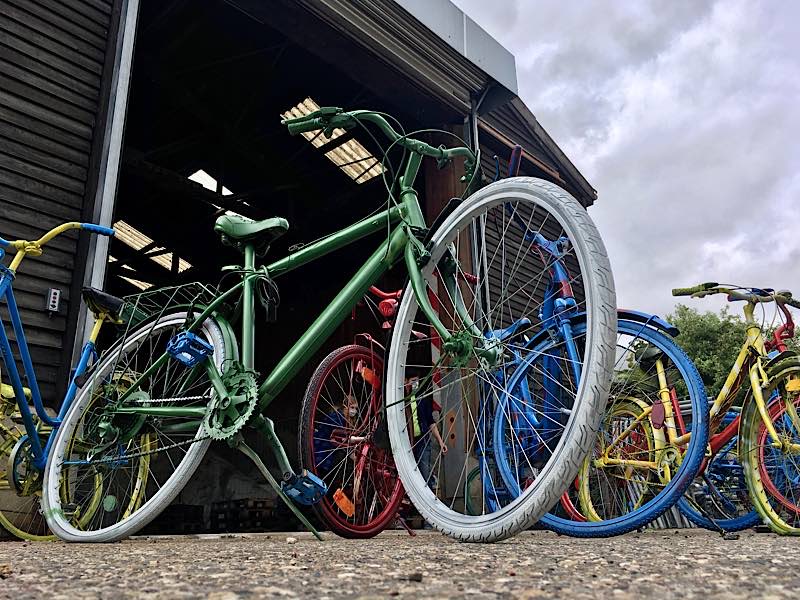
179 377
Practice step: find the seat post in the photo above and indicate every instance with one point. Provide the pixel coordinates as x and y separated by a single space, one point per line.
248 313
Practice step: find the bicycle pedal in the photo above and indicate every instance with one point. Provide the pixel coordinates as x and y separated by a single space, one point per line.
189 349
305 488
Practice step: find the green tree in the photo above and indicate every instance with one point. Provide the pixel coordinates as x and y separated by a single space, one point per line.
712 341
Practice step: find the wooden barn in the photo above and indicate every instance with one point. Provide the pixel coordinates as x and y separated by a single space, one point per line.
153 115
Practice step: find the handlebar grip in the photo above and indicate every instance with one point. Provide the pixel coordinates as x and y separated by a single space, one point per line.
98 229
303 126
693 290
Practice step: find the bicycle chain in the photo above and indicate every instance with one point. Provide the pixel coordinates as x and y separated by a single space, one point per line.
167 400
161 449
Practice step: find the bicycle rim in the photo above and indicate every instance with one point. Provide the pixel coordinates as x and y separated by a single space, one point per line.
342 412
138 463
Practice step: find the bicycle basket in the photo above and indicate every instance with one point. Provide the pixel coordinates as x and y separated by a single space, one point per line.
153 303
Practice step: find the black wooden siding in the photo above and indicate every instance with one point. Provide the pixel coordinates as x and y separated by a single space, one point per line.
52 58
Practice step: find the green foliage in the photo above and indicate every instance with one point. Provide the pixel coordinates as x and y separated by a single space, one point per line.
712 341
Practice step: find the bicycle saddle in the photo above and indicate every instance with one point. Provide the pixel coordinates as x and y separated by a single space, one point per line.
238 229
647 355
100 302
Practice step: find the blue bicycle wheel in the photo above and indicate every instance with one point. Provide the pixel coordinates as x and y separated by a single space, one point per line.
624 481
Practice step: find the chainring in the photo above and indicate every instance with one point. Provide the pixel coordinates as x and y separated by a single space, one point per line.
225 417
23 476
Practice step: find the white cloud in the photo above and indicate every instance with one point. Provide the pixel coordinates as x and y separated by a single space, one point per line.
684 117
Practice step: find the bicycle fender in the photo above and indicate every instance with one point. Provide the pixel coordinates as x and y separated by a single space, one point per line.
647 319
228 335
776 358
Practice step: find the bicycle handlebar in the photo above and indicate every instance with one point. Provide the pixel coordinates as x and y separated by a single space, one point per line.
331 117
711 288
34 246
379 293
99 229
693 290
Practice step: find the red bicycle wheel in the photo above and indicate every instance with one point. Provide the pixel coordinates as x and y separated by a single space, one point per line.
337 442
569 503
780 471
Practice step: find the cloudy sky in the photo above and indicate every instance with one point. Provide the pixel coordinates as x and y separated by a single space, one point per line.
685 116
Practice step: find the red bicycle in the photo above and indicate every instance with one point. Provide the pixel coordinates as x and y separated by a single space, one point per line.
340 431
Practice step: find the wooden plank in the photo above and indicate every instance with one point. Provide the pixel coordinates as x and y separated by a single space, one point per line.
42 159
43 25
100 5
25 184
27 170
53 149
28 225
47 93
44 356
39 318
11 98
92 66
72 74
44 9
42 339
55 264
37 286
68 145
526 152
42 206
36 302
79 14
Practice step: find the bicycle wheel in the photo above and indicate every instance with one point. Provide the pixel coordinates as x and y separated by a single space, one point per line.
20 508
484 274
342 411
111 473
718 498
624 484
773 473
608 493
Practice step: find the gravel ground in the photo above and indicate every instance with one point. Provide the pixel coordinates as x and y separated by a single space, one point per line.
680 564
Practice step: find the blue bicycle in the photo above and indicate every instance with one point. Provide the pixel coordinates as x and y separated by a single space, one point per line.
26 433
636 471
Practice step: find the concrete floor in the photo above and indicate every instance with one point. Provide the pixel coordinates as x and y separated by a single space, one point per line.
672 564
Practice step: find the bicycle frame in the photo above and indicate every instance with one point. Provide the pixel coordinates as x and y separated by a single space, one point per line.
748 361
401 243
558 309
89 351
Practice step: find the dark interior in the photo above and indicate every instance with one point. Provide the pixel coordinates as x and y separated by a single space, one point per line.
210 81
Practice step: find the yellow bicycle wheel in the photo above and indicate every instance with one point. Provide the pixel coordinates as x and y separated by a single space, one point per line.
20 509
615 478
772 470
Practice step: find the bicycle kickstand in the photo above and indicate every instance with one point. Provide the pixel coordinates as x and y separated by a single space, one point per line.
305 488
